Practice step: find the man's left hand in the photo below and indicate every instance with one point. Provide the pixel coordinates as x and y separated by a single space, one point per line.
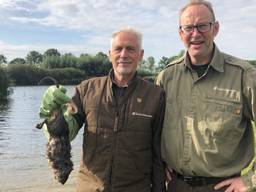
233 185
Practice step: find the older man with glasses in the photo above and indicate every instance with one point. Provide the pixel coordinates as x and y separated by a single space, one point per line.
207 137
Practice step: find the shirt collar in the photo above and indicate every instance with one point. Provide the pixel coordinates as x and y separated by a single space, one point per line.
111 74
216 63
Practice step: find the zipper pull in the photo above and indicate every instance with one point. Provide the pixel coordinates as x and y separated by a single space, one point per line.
116 124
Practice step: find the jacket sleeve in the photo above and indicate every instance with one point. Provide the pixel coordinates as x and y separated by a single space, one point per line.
77 101
159 79
249 94
158 175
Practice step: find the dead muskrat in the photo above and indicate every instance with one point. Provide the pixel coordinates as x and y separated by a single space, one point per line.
58 148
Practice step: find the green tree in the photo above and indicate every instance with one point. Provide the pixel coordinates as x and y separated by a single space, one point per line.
68 60
68 75
3 59
51 62
51 52
97 65
147 64
25 74
102 63
142 64
180 54
150 63
18 61
101 55
34 57
253 62
163 62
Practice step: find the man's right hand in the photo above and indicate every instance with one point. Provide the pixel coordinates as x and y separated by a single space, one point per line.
168 175
53 98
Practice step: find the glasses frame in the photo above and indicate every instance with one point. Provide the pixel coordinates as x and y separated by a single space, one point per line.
197 26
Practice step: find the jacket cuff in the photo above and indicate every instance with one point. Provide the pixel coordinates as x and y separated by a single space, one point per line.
249 180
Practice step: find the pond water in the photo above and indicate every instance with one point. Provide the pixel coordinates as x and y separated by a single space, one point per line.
23 165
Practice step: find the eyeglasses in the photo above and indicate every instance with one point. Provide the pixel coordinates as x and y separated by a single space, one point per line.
201 27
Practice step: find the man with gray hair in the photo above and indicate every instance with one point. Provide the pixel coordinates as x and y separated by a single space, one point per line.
207 138
122 116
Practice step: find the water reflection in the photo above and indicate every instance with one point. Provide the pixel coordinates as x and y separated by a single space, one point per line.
4 104
22 146
4 109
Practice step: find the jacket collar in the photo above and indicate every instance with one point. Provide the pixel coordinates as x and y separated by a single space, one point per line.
216 63
110 82
111 76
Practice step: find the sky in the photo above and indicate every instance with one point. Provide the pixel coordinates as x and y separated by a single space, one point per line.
85 26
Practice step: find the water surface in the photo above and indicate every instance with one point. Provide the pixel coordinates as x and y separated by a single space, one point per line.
22 147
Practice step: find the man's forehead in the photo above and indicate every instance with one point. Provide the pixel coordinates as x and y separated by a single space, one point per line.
125 44
195 12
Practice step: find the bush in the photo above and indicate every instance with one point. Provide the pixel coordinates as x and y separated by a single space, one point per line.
4 83
25 74
144 73
150 78
67 76
34 75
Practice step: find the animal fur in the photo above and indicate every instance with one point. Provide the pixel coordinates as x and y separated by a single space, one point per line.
58 148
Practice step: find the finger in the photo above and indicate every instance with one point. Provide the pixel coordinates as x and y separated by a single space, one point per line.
62 89
230 189
51 89
60 97
43 113
49 104
223 184
168 175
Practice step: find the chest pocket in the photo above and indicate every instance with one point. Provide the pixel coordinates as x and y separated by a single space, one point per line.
223 116
100 118
141 122
92 117
140 115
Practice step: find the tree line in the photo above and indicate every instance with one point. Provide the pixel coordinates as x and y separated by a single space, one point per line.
67 68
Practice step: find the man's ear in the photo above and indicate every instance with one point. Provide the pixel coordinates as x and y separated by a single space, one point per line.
180 34
141 54
109 55
216 28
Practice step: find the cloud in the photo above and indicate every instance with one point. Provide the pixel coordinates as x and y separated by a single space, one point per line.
156 19
88 15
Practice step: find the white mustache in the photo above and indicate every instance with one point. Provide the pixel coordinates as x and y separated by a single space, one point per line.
124 61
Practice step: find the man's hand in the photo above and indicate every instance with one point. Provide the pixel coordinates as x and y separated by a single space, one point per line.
168 174
53 98
233 185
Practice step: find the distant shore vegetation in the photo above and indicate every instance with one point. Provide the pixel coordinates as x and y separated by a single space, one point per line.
67 68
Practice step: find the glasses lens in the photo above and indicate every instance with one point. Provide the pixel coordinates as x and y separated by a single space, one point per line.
187 28
204 27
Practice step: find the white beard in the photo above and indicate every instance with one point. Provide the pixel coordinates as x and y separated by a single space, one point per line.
125 70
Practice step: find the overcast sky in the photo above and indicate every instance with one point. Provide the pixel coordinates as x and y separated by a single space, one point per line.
85 26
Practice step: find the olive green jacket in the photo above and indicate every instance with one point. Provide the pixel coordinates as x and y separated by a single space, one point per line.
207 127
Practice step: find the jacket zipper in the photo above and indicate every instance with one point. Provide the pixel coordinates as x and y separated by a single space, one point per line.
113 150
116 124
